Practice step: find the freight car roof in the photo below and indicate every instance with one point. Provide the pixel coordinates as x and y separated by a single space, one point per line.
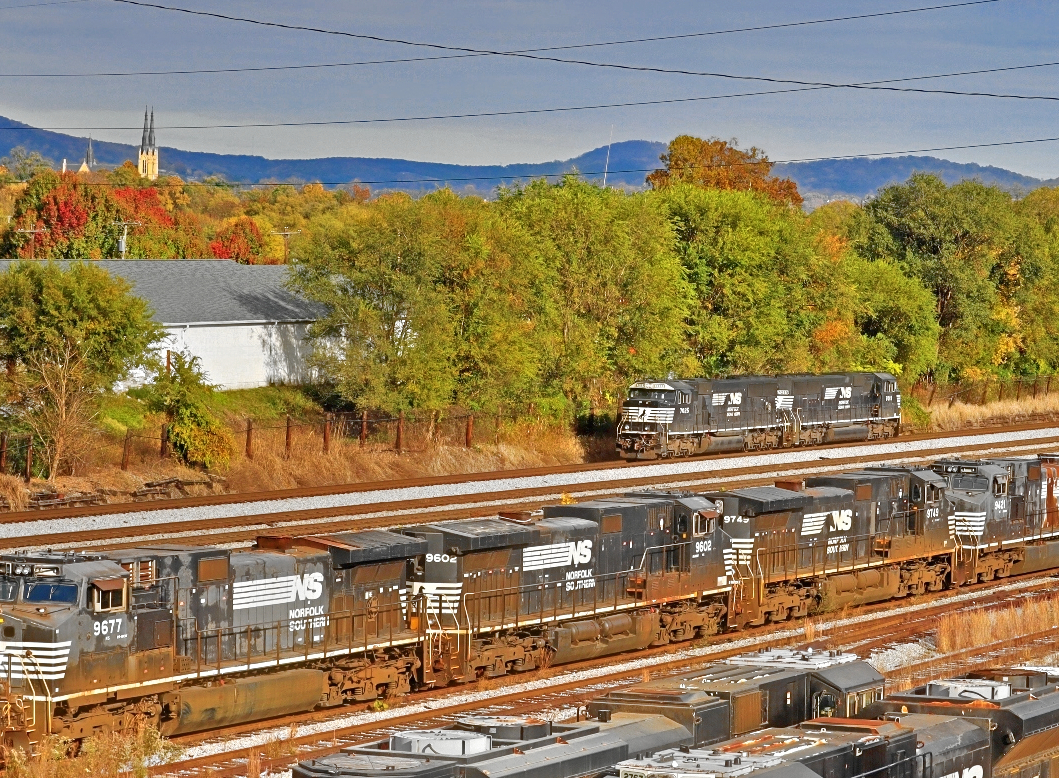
479 534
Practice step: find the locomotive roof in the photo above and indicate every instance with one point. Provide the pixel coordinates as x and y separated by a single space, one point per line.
765 499
480 534
374 545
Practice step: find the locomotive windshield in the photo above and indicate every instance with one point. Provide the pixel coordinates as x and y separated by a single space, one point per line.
8 590
51 592
651 394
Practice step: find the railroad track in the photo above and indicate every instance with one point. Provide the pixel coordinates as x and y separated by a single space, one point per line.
238 519
277 748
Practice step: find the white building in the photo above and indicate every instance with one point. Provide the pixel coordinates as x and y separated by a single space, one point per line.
242 323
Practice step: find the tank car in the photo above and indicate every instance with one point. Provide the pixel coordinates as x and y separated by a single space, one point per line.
685 417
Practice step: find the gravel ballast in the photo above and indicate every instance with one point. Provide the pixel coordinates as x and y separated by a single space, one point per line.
680 471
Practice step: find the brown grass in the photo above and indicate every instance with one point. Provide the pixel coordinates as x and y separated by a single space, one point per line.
106 755
961 415
984 626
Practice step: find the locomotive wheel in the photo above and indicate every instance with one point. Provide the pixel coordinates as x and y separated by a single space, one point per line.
779 615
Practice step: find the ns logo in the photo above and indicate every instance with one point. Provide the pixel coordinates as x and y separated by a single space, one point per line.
309 586
580 552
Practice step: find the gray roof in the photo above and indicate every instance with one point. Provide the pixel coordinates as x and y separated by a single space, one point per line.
195 291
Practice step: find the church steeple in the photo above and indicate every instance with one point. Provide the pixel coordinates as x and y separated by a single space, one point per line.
148 149
143 141
90 159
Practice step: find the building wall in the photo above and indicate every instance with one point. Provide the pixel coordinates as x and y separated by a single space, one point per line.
243 356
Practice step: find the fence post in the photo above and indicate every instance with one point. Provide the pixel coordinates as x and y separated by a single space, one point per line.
496 431
1018 391
126 450
327 433
164 450
249 439
29 458
469 437
933 388
985 392
289 440
363 428
3 452
399 444
1048 386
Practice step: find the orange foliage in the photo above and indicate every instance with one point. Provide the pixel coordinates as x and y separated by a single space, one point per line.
716 164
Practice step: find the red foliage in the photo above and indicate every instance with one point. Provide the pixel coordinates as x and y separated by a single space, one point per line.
143 205
241 240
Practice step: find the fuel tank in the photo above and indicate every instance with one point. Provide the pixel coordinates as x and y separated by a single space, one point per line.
198 708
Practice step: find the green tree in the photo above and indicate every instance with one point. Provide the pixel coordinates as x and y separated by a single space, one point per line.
23 164
968 245
68 335
182 394
387 338
616 293
762 286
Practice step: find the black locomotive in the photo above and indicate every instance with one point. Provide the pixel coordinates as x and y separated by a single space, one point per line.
190 638
676 418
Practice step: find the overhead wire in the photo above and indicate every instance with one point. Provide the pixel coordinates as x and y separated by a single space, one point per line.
531 54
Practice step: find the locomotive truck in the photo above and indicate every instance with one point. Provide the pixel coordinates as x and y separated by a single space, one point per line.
191 638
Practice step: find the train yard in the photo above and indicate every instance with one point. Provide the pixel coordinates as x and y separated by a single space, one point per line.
276 746
513 667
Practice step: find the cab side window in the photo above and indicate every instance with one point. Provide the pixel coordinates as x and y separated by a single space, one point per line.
1000 487
107 596
704 525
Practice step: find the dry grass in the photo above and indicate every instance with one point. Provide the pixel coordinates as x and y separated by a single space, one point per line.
106 755
518 445
984 626
809 627
961 415
253 764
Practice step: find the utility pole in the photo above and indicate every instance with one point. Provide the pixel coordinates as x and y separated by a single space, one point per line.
33 240
286 233
123 241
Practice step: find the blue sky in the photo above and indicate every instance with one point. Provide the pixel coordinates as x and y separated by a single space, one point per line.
103 35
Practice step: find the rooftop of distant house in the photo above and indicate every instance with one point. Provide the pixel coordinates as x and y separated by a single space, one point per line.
210 291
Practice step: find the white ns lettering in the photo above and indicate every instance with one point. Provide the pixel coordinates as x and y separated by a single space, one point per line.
309 587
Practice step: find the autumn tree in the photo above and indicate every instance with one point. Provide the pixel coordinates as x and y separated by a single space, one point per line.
67 335
240 239
76 219
718 164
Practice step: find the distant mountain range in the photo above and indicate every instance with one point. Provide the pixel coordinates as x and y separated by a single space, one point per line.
629 163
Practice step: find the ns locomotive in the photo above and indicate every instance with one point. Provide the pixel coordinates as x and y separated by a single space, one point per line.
676 418
191 638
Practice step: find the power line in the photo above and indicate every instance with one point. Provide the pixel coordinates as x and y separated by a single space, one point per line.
530 111
524 53
38 5
268 68
468 55
512 176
